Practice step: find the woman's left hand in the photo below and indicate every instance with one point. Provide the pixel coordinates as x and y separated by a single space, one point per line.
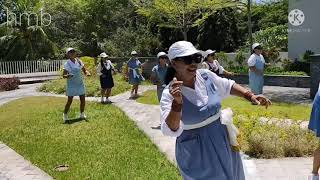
88 73
261 100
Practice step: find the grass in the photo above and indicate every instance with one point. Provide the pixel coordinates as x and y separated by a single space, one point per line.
109 146
92 86
149 97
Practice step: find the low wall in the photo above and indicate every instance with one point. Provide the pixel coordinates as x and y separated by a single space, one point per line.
277 80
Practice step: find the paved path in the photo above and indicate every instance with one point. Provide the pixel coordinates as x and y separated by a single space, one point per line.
147 119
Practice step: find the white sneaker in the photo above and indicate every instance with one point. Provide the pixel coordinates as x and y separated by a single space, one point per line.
132 95
83 116
65 118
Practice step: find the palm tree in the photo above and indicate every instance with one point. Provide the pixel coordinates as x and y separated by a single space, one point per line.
19 40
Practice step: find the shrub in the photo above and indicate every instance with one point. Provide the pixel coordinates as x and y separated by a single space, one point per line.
271 141
240 58
306 56
289 65
222 57
8 84
272 55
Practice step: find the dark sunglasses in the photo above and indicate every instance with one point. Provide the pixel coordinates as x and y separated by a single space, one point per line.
195 58
163 57
72 51
259 47
212 54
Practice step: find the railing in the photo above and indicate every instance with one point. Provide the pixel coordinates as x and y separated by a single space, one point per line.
21 67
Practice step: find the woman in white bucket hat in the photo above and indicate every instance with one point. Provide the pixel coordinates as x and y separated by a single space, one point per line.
104 70
206 146
158 73
211 63
133 73
75 85
256 65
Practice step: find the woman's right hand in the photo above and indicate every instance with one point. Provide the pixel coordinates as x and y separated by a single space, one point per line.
175 90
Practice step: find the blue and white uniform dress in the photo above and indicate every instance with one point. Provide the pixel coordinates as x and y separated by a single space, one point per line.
203 149
75 85
256 81
314 123
134 75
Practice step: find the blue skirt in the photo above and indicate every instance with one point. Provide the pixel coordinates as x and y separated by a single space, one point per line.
205 153
314 123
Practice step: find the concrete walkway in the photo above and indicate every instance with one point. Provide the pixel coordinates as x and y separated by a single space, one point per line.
147 119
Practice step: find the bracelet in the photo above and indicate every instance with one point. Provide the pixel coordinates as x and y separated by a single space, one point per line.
248 95
176 107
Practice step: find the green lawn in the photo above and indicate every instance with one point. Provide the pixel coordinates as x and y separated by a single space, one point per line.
149 97
109 146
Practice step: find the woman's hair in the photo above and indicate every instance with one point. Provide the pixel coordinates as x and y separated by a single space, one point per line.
171 72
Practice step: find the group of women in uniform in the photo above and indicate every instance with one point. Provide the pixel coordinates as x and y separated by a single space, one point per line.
105 69
190 105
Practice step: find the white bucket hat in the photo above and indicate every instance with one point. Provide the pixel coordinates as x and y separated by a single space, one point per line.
103 55
181 49
209 51
134 53
255 45
161 54
69 49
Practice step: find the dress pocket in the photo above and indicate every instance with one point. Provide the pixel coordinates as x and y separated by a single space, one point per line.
189 153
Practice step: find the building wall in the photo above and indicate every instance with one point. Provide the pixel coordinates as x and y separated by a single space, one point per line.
307 35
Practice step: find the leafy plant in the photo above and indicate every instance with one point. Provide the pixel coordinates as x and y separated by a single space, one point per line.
240 58
222 57
306 56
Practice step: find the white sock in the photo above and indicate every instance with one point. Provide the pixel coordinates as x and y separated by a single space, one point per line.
102 99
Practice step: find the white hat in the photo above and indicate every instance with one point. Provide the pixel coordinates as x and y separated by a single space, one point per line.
209 51
134 53
181 49
255 45
161 54
103 55
69 49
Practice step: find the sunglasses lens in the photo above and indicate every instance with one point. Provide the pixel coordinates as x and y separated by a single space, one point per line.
196 58
163 57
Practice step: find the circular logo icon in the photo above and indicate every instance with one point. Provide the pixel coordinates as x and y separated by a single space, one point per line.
296 17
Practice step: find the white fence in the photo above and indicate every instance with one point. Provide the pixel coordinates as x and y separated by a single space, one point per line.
22 67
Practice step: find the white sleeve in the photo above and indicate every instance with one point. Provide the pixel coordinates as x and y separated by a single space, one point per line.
223 85
252 60
66 67
165 108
